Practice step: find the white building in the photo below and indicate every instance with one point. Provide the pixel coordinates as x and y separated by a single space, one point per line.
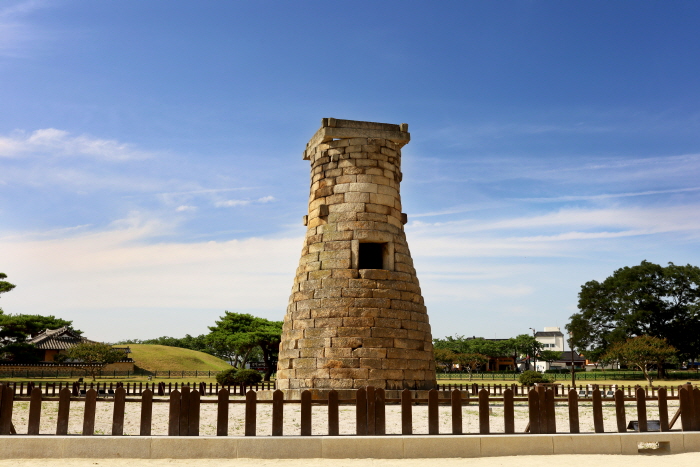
551 339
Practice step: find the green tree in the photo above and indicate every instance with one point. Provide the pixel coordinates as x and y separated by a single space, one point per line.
93 356
444 357
19 328
4 285
237 336
642 352
526 345
15 330
647 299
471 361
549 356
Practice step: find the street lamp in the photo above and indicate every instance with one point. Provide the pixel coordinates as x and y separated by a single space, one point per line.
534 350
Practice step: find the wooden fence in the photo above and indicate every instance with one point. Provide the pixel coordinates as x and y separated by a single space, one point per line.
162 388
370 403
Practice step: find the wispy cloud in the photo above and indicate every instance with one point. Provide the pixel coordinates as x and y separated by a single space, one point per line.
647 219
54 142
230 203
16 34
609 195
75 273
14 9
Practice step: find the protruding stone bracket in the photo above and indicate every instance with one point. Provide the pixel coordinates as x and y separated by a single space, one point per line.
305 220
404 218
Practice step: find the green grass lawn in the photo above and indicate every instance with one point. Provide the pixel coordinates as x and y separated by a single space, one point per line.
161 357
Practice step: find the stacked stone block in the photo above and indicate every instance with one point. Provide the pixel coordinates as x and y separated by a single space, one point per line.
356 315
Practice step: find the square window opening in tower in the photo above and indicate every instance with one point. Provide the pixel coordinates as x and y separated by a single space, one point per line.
372 256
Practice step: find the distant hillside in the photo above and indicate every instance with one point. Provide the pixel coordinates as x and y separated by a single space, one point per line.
162 357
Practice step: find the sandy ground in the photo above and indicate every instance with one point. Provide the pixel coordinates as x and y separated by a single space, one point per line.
103 423
677 460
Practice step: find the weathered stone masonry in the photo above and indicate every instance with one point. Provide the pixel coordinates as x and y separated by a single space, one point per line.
356 315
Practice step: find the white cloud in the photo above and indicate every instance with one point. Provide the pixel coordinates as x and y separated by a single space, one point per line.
230 203
54 142
634 220
18 36
604 196
185 208
99 278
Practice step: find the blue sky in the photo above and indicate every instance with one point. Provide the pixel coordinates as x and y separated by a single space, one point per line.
150 152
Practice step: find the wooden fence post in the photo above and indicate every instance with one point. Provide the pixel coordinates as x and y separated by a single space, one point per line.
406 413
641 410
306 413
222 412
333 420
185 401
533 401
433 413
662 395
89 413
174 414
685 396
146 412
380 412
508 412
542 394
251 413
118 414
598 411
193 417
63 411
456 400
696 409
574 426
35 412
484 425
371 412
361 412
277 413
620 415
551 414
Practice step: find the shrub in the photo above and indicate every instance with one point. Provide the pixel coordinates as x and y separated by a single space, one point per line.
227 377
247 377
530 377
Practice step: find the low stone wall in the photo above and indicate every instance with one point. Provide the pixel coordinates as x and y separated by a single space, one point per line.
339 447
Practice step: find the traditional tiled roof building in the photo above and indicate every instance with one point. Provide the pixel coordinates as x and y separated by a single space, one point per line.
52 341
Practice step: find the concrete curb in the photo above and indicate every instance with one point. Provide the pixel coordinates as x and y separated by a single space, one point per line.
338 447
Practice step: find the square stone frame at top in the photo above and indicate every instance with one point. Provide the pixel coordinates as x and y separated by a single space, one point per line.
332 129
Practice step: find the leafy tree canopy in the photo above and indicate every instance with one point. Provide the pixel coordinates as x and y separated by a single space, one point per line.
94 356
475 345
641 351
647 299
19 328
4 285
238 335
549 355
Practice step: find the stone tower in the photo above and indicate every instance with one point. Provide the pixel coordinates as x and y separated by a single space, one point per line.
356 315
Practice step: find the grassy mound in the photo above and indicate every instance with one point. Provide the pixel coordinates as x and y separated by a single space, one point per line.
161 357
